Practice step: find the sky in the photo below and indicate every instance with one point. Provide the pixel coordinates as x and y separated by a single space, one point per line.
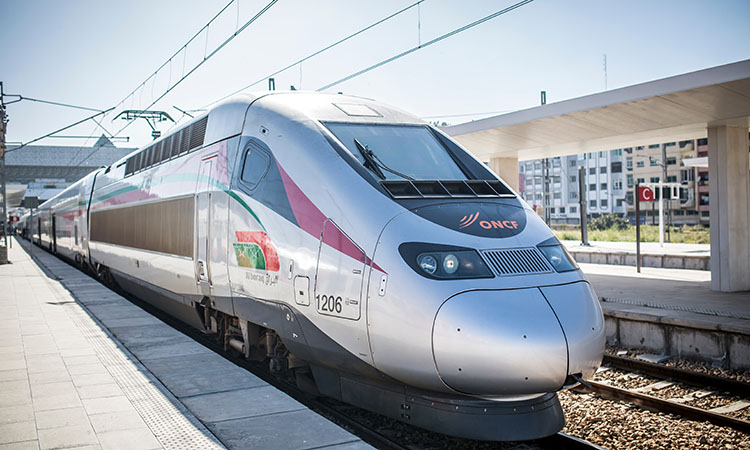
95 53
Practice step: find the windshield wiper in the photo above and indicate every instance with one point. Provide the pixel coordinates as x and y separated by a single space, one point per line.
375 164
369 159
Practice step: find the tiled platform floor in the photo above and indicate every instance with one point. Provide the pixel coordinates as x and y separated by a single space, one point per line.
81 367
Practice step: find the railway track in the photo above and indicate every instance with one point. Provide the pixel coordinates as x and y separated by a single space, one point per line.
655 386
340 413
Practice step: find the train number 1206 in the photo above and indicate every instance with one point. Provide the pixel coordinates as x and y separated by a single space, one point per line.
329 304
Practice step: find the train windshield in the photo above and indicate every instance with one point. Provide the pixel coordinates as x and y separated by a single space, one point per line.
398 152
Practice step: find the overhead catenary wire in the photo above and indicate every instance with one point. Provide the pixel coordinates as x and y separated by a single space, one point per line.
49 102
142 85
426 44
314 54
61 129
206 58
169 60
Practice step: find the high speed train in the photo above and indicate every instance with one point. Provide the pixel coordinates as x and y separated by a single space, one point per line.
353 246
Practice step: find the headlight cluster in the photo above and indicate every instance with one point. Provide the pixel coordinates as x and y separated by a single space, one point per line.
444 262
558 257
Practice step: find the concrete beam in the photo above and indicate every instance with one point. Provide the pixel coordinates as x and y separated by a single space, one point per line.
507 169
729 187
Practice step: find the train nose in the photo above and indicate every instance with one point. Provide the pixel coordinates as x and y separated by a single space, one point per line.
499 342
520 341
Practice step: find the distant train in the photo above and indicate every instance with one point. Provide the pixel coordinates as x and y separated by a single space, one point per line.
352 244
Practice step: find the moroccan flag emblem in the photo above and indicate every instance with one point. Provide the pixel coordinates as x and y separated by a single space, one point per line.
255 250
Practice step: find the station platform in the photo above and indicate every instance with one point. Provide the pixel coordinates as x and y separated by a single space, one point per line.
81 367
670 256
673 312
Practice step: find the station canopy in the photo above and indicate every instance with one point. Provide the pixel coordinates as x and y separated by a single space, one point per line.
671 109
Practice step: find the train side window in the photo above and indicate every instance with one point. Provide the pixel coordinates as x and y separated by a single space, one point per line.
255 167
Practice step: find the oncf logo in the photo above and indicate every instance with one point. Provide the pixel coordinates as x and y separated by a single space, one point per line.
486 224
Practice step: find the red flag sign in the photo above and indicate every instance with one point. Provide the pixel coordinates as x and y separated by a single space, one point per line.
645 194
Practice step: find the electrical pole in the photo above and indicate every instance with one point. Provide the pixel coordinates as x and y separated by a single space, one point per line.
3 129
582 205
545 170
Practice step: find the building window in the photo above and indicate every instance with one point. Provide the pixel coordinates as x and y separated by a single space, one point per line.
604 203
616 167
556 162
687 175
573 178
602 154
537 165
640 180
529 181
640 164
653 146
630 181
629 163
672 179
703 141
552 210
562 210
620 202
572 163
538 181
592 187
557 196
617 185
556 179
573 195
654 179
603 186
617 152
573 209
529 167
671 161
538 196
629 197
592 204
592 170
653 162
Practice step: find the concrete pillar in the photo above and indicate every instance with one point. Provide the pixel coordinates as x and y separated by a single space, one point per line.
507 169
729 200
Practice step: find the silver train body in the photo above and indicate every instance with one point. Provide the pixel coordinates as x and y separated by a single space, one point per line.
447 304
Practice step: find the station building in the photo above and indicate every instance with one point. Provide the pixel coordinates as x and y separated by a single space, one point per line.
43 171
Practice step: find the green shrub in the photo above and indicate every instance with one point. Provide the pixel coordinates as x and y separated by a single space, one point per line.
608 222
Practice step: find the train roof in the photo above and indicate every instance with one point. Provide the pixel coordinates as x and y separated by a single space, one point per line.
227 118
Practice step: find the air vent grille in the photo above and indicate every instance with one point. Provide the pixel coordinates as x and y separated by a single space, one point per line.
446 188
516 261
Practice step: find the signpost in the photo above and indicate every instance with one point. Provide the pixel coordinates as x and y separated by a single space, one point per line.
644 194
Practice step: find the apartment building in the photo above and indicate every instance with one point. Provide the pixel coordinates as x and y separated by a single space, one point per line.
610 179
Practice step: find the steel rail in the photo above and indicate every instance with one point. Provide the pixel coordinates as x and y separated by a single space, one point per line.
663 405
681 375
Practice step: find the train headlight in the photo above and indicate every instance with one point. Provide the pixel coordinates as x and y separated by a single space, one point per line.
444 262
558 257
450 264
427 263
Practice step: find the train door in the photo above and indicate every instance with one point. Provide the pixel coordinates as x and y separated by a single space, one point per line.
338 287
203 225
53 238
